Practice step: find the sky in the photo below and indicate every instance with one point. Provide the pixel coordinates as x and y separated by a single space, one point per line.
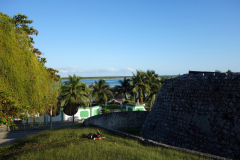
92 38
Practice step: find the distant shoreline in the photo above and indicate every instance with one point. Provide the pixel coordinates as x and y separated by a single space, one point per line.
112 77
86 78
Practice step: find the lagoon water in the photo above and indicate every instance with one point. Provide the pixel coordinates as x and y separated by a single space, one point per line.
111 82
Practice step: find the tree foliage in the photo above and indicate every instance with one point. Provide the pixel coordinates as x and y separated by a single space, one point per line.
124 88
141 88
155 84
229 71
90 96
22 74
73 94
145 86
102 91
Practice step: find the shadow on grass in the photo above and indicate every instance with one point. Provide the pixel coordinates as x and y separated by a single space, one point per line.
74 126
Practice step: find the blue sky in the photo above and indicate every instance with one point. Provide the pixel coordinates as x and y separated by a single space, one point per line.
116 37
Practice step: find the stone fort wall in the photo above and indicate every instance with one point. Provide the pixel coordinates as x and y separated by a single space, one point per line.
198 111
119 120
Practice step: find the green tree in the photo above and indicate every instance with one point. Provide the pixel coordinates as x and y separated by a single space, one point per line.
90 96
101 91
73 94
151 77
124 88
140 87
162 79
218 71
155 84
21 74
21 23
229 71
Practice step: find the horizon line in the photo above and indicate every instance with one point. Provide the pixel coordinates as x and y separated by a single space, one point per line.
106 77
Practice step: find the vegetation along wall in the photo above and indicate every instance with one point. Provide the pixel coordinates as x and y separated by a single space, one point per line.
198 111
26 84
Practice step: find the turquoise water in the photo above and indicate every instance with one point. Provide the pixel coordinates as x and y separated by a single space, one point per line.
111 82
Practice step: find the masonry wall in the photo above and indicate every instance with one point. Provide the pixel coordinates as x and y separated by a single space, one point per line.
199 112
119 120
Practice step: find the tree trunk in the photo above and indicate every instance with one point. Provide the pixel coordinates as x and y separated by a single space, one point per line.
34 116
141 97
46 120
73 114
51 117
138 101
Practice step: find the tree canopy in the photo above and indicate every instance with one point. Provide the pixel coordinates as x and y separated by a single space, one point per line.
22 71
155 84
124 88
74 93
102 91
141 88
145 86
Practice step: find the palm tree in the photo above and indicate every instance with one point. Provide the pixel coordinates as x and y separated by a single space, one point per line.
101 91
155 87
90 96
152 76
140 87
162 79
155 84
124 88
73 94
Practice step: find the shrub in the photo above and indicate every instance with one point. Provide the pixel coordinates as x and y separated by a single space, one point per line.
105 111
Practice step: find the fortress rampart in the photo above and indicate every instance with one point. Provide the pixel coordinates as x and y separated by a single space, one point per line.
198 111
119 120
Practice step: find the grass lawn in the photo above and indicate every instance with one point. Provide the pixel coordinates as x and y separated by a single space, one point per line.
71 143
133 131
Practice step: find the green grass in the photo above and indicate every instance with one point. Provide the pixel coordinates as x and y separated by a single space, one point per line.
133 131
71 143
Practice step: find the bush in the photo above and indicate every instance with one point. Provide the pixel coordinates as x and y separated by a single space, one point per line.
105 111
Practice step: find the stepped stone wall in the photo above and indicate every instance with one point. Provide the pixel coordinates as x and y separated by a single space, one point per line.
198 111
